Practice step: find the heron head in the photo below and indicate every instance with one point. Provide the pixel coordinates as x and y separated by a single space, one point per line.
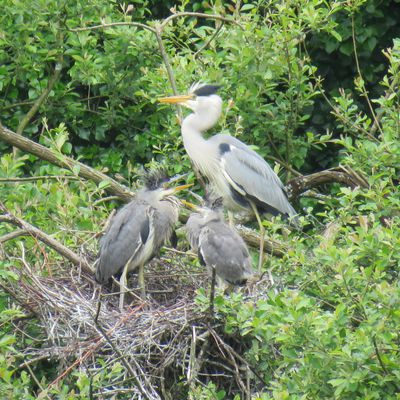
203 101
209 211
157 185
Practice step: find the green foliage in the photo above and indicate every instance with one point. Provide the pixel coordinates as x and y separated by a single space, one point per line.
328 330
331 333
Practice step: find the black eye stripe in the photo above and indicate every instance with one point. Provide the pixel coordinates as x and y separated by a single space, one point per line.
207 90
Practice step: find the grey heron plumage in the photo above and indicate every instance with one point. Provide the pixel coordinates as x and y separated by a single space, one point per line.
235 171
218 245
139 230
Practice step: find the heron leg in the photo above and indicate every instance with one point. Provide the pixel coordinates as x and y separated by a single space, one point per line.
123 286
230 219
141 282
262 238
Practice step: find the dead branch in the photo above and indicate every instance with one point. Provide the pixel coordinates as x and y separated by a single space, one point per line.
46 154
341 174
43 237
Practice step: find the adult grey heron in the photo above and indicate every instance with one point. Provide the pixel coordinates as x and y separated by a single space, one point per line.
236 172
138 230
218 245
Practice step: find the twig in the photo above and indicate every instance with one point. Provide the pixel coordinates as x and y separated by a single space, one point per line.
37 381
231 357
380 112
229 348
127 366
43 237
285 165
335 110
22 103
212 295
207 43
164 55
92 348
353 35
105 199
196 363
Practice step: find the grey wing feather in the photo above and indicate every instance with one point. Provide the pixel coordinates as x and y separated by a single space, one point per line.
193 228
226 251
124 238
251 174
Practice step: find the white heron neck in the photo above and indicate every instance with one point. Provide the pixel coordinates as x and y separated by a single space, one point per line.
197 147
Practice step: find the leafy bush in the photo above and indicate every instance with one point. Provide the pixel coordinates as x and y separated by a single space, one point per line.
328 329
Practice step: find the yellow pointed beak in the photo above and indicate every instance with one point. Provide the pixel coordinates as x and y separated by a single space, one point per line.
175 99
181 187
190 205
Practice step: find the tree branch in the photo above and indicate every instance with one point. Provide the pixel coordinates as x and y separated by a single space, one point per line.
341 174
43 237
39 101
364 93
29 146
13 235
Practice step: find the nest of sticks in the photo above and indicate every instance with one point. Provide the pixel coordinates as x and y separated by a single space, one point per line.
157 342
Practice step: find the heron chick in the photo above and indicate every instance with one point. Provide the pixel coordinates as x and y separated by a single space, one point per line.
236 172
218 245
138 231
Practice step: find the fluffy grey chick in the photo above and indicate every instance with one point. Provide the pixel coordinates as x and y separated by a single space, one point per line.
138 231
218 245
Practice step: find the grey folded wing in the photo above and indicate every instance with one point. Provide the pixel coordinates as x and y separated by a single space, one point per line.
252 177
126 236
223 249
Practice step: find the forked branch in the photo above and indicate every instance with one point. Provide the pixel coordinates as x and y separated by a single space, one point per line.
31 230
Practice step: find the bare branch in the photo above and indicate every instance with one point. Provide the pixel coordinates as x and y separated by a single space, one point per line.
43 237
341 175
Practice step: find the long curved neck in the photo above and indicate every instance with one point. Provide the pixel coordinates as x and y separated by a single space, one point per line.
195 144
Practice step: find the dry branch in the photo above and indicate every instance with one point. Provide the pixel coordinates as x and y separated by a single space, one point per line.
46 154
43 237
343 175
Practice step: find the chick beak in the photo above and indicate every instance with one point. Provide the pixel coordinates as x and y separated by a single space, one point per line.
190 206
177 189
